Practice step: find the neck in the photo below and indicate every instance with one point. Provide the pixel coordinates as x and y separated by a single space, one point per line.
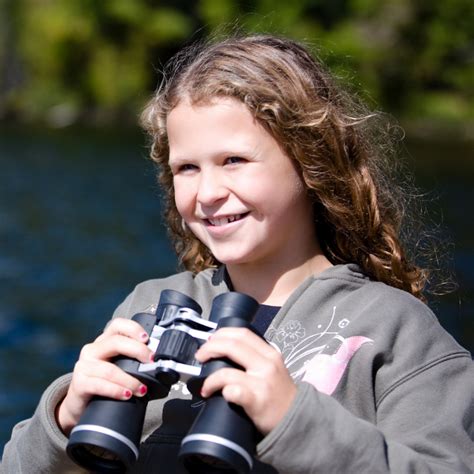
273 283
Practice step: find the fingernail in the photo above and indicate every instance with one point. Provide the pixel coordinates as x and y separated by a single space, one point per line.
143 336
127 393
142 389
152 357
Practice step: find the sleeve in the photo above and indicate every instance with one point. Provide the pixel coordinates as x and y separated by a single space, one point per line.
424 424
38 445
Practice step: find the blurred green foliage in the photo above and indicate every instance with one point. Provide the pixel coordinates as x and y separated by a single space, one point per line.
63 61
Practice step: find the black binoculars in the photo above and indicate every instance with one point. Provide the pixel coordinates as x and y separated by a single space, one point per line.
222 437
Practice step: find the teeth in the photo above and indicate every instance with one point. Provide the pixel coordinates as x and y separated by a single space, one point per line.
219 222
224 220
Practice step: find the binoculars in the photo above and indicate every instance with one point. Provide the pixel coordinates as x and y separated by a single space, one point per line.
222 437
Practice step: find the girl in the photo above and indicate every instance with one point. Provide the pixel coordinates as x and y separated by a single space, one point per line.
275 188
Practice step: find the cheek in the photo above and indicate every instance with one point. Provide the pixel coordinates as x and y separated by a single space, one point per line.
291 202
182 198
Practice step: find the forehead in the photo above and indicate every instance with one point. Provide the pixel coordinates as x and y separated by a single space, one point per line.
219 116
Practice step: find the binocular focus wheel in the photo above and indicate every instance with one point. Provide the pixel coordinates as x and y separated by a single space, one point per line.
176 345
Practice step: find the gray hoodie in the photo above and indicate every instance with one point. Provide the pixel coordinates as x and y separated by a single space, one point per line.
381 386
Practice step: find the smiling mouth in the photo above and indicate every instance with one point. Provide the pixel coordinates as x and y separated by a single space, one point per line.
219 221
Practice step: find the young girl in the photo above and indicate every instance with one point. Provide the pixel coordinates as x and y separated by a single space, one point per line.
275 188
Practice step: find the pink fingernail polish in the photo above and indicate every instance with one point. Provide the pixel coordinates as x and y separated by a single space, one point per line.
127 393
143 336
152 357
143 389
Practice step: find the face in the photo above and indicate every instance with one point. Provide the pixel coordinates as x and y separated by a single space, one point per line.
234 186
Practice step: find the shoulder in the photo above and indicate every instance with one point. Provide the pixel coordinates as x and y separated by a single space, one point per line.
348 284
202 287
394 319
407 335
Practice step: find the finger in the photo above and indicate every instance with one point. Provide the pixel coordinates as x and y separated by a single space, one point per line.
236 387
246 352
221 378
105 388
238 395
115 345
125 327
234 336
88 373
241 334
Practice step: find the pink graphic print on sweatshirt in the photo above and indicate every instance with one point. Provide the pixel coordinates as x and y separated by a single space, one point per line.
325 370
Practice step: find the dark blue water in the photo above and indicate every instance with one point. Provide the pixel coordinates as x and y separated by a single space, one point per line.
80 226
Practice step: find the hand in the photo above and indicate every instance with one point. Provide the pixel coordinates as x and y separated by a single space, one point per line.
94 374
264 388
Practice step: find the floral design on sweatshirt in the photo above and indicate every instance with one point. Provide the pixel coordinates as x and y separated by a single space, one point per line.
290 335
325 353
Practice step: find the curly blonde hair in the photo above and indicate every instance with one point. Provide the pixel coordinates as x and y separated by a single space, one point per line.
358 207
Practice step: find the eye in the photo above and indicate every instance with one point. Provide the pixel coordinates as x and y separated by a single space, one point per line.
183 168
187 167
233 160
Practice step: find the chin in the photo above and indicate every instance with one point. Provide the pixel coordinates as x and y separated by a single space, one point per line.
229 261
235 260
228 258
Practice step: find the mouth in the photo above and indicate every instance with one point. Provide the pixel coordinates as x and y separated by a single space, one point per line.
224 220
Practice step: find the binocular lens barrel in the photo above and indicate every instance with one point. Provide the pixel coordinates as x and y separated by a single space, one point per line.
221 436
108 435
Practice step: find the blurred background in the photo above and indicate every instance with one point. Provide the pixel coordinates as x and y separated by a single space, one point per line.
80 219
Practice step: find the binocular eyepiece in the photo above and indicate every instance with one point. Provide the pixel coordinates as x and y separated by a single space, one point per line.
222 437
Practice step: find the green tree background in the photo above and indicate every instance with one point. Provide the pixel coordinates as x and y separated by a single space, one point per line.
97 61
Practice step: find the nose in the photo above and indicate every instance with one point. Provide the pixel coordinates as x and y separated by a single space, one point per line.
211 188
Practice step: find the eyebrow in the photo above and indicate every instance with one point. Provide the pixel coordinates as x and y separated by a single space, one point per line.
243 150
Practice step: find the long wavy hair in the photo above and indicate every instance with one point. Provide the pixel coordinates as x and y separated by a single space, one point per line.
340 148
